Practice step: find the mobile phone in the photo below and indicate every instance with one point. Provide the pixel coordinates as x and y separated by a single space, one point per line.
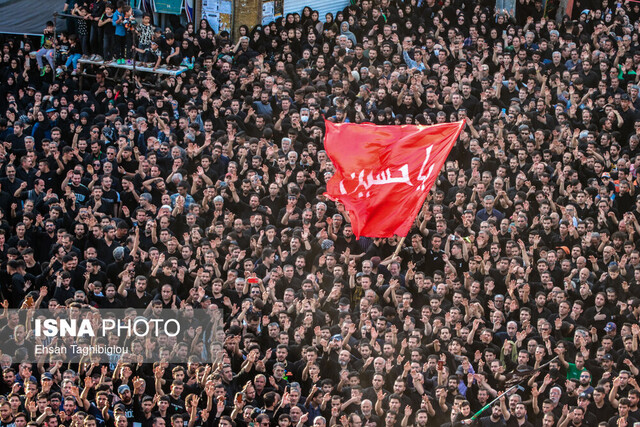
29 301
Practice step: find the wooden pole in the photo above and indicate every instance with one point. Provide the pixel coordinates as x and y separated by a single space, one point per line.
399 247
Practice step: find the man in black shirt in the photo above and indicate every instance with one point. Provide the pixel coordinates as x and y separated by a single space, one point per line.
137 297
434 256
10 183
124 392
518 418
493 420
176 403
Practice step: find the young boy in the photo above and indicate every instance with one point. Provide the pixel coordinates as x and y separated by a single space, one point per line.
145 32
108 40
170 51
120 32
46 51
151 56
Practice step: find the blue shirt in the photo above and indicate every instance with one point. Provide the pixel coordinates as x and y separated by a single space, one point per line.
120 30
188 200
411 63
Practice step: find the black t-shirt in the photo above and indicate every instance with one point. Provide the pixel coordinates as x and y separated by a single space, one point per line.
129 412
81 192
176 406
133 300
109 29
613 421
168 48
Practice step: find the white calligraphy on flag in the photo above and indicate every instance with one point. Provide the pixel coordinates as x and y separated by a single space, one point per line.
399 176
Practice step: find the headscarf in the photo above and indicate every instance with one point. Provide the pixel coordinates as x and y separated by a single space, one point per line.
344 31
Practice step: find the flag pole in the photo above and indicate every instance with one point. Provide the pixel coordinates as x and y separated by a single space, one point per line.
402 239
530 373
398 247
488 405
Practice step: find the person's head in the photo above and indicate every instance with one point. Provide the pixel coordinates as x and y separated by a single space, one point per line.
5 411
623 406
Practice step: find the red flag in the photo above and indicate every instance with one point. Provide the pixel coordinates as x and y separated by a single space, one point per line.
384 173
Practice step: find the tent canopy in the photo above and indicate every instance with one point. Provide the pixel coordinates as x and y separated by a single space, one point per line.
28 16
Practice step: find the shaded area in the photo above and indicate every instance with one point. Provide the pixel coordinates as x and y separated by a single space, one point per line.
28 16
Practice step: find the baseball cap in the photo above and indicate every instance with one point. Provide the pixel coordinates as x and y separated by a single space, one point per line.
343 301
123 388
610 327
607 356
584 396
606 175
47 376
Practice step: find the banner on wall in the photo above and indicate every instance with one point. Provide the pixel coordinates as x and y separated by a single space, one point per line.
271 10
268 10
170 7
218 14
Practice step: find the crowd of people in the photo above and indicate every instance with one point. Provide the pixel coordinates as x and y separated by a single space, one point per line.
205 191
